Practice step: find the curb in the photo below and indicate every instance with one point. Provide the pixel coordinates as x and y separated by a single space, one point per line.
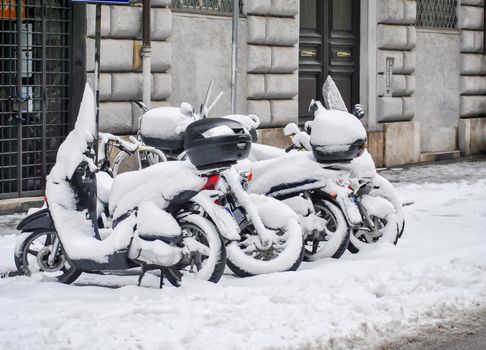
18 205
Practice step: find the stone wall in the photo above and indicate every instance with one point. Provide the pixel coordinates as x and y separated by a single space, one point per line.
272 81
437 89
201 51
396 38
121 68
473 70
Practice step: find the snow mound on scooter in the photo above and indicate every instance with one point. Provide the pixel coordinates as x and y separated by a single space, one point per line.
363 166
249 121
277 174
155 222
259 151
274 214
163 123
74 228
158 183
335 128
71 151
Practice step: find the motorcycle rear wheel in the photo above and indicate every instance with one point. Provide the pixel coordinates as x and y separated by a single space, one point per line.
212 265
32 252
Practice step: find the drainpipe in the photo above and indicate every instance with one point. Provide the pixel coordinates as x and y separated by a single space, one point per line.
146 54
234 55
97 71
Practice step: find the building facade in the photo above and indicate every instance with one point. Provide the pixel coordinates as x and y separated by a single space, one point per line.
419 68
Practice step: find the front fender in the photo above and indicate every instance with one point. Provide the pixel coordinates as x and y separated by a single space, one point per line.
40 220
343 200
223 220
377 206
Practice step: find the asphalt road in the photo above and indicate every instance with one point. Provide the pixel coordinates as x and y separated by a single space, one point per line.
466 332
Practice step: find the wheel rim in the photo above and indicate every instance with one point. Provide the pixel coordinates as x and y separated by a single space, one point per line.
196 263
150 158
313 246
249 243
36 253
367 237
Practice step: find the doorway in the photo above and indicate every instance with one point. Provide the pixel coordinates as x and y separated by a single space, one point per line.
329 45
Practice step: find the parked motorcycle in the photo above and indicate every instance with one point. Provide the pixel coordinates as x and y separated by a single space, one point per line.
271 238
369 203
152 225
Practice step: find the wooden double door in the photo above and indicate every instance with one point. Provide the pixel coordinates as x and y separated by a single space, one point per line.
329 45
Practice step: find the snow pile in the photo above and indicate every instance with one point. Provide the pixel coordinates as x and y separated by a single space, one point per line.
71 152
335 128
158 183
363 166
250 121
155 222
270 173
259 151
164 123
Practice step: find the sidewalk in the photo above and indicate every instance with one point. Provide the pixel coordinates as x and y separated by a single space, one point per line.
19 205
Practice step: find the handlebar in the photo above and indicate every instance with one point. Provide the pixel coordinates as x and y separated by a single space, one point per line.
118 142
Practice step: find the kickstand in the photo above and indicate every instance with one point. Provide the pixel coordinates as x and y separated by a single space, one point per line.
161 283
142 273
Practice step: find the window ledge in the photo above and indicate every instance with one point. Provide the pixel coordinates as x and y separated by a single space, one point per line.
454 31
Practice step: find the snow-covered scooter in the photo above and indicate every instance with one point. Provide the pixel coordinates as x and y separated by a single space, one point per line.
369 203
152 225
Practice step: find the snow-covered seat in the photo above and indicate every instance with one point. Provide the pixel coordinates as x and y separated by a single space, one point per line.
158 183
160 128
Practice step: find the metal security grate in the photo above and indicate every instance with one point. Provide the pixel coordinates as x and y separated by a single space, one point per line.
437 13
222 7
35 67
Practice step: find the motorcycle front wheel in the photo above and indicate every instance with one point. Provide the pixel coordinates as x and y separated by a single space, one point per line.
330 244
387 228
32 252
247 258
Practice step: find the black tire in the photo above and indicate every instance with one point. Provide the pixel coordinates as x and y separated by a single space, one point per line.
337 224
402 229
26 245
205 232
248 229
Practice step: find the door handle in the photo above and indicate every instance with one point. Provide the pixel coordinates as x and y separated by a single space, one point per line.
308 53
343 54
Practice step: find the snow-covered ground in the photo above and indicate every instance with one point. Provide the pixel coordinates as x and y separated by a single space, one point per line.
436 272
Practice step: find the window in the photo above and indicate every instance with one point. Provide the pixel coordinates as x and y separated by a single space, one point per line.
437 13
221 7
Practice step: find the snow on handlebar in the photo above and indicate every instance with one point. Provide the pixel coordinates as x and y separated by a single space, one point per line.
119 142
